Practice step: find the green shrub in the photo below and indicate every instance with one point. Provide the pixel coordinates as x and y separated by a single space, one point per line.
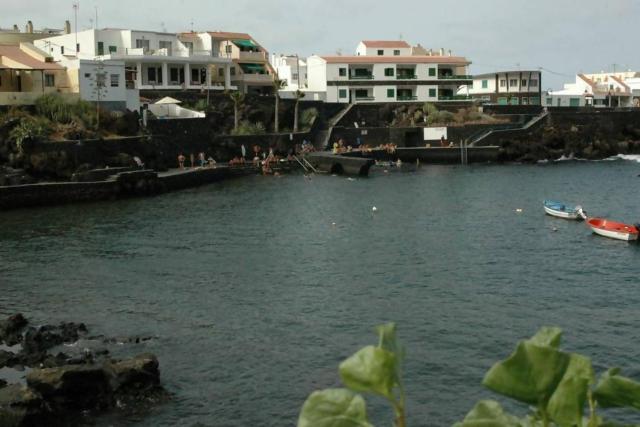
54 108
30 128
429 108
247 128
440 117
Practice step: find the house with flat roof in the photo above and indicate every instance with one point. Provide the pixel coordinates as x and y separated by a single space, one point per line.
620 89
521 87
26 73
152 60
389 71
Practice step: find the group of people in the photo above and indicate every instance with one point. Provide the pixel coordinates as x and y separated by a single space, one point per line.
202 161
340 147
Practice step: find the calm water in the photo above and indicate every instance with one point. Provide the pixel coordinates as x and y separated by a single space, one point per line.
255 297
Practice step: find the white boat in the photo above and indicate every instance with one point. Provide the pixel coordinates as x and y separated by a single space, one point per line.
561 210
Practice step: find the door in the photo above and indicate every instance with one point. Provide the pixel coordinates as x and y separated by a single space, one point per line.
19 83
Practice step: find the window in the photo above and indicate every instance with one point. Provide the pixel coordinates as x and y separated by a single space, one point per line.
342 72
100 48
396 52
113 49
228 48
165 45
233 71
513 82
549 101
142 44
503 82
362 93
151 75
87 75
485 84
220 72
100 79
432 72
524 82
380 52
294 76
61 50
77 47
574 102
391 93
342 93
533 83
49 80
515 100
525 100
115 80
388 72
534 100
173 75
433 93
502 101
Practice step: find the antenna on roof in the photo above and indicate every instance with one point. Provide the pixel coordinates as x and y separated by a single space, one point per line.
400 36
163 27
192 25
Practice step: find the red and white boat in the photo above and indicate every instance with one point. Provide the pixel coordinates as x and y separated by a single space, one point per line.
612 229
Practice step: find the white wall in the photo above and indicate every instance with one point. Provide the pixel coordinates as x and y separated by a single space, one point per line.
317 74
87 77
373 51
52 45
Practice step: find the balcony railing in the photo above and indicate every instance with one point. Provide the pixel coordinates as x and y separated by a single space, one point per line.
406 77
251 56
407 98
456 77
361 77
454 98
365 98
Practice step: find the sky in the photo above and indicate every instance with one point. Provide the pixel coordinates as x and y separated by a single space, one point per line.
563 37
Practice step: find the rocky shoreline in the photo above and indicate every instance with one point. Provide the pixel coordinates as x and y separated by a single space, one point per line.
40 385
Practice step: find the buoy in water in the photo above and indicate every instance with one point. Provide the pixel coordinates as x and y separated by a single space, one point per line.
519 210
374 209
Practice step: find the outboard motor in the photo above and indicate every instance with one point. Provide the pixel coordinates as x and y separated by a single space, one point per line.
581 213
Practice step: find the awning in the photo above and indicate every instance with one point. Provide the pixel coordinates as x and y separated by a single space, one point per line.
168 100
245 43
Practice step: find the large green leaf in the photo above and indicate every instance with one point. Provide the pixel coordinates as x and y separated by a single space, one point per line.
568 400
489 413
532 372
387 334
334 408
614 390
371 369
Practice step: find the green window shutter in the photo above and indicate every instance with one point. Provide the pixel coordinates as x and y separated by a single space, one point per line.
432 72
574 102
342 93
388 72
549 101
113 49
485 84
100 48
502 101
432 93
342 72
391 93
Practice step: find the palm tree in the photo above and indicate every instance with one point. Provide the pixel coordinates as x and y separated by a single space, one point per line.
238 99
278 84
298 95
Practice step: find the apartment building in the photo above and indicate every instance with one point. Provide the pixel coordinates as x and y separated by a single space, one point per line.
522 87
389 71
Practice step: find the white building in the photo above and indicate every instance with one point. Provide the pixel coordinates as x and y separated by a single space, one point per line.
388 71
152 60
620 89
291 69
522 87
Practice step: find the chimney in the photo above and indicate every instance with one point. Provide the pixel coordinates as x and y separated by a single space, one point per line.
67 27
15 28
441 51
430 52
29 27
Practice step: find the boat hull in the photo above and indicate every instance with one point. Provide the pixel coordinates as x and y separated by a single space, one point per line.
562 214
614 230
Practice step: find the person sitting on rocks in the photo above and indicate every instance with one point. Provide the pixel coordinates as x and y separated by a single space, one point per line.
181 160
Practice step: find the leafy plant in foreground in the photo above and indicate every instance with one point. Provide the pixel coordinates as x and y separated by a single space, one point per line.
372 369
556 384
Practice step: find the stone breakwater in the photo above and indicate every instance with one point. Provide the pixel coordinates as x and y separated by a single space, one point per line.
45 386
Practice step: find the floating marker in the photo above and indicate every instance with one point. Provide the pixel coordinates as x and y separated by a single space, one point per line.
374 209
519 210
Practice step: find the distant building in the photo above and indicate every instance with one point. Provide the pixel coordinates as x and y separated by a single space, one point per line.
26 73
621 89
250 71
14 36
291 69
522 87
389 71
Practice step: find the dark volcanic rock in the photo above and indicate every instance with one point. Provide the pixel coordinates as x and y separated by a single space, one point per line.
22 407
8 359
11 328
48 336
141 372
76 387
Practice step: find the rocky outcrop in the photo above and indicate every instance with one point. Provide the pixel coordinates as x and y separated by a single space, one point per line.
60 388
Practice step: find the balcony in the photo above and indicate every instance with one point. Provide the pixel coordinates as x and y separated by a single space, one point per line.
365 98
361 77
406 77
455 77
251 56
253 78
407 98
454 98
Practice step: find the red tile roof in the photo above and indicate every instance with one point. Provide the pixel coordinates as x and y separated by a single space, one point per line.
587 80
416 59
386 43
228 35
622 83
15 54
